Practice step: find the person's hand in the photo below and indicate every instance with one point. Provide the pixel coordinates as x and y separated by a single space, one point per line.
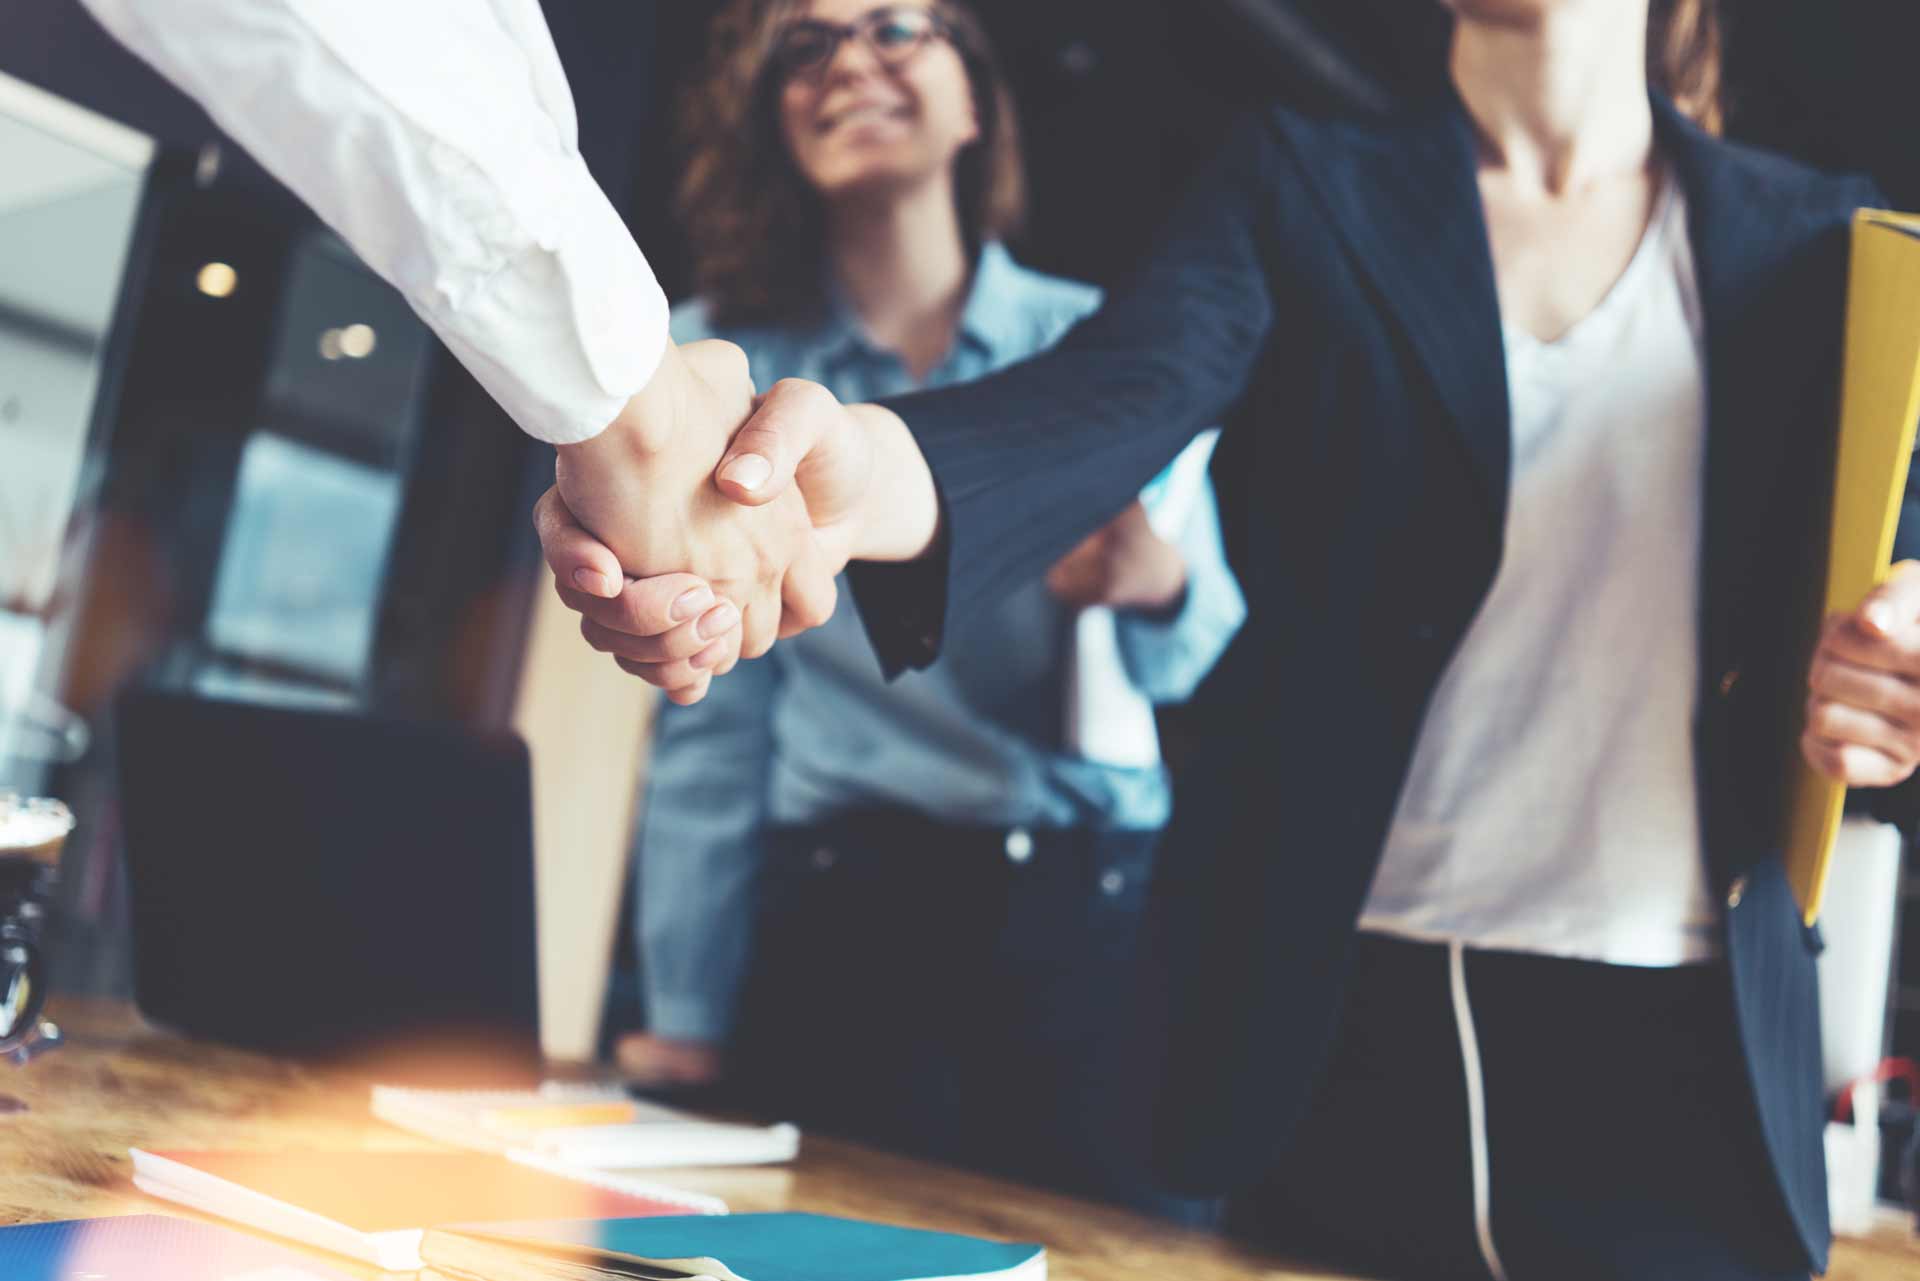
1122 565
658 1062
867 489
1863 710
670 630
643 490
867 493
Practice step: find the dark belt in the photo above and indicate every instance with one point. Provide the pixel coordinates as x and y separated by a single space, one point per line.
886 838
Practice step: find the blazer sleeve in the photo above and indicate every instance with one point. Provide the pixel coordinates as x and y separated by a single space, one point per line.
1033 459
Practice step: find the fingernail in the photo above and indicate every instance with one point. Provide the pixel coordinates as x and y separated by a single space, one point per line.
720 620
592 580
1880 614
749 471
708 657
692 604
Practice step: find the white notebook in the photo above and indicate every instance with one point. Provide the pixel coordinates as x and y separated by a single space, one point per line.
583 1126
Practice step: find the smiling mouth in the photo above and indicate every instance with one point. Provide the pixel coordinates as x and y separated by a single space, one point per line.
863 114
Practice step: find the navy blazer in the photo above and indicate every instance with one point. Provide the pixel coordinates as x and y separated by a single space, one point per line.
1328 291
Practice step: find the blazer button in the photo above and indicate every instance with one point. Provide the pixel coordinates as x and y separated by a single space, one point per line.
1425 633
824 858
1728 681
1736 891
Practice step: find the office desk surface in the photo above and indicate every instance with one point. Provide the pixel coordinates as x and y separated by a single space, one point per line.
119 1084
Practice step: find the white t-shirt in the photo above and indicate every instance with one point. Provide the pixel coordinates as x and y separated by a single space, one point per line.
1551 806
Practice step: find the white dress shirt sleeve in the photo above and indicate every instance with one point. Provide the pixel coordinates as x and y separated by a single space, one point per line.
438 137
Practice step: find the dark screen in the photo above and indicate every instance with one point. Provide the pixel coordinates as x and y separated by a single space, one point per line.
326 882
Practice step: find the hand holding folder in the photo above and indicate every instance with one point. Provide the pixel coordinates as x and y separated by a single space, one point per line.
1879 406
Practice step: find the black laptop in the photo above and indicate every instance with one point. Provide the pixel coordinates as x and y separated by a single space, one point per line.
331 884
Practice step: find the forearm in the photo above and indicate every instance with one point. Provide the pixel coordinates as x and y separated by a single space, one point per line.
634 432
903 517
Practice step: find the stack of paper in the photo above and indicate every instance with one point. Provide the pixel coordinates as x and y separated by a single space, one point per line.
590 1127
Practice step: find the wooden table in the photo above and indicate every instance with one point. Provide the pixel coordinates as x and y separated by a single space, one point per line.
118 1084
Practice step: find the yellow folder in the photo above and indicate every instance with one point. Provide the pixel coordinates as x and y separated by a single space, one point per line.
1879 405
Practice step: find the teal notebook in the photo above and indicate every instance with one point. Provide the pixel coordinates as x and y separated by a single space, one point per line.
734 1247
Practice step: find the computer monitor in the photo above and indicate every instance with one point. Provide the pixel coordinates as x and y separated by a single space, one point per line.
331 884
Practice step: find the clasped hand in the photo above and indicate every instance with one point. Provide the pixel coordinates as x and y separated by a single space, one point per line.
683 552
707 522
1863 702
659 497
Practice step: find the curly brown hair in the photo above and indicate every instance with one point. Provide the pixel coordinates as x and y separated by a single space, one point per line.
757 230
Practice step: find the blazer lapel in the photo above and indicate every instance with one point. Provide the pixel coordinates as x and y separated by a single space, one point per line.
1743 237
1404 195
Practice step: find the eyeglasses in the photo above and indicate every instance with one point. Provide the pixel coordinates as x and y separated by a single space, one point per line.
894 33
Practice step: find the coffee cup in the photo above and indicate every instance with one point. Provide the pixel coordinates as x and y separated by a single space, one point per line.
32 835
35 829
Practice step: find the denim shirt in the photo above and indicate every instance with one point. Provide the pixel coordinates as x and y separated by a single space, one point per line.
814 729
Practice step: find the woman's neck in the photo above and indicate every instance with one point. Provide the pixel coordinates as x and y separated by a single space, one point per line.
903 264
1560 101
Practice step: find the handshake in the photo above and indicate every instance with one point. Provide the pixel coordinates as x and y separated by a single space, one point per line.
708 521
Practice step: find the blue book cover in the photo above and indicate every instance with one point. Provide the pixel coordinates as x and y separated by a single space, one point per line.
148 1247
746 1247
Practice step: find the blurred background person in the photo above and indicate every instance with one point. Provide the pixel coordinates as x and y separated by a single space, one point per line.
948 895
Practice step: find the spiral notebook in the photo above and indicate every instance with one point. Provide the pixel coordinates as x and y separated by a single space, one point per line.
375 1206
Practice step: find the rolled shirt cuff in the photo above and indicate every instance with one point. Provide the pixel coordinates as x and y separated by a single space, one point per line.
683 1016
577 310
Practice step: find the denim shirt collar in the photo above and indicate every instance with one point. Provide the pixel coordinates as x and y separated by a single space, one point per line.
989 322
